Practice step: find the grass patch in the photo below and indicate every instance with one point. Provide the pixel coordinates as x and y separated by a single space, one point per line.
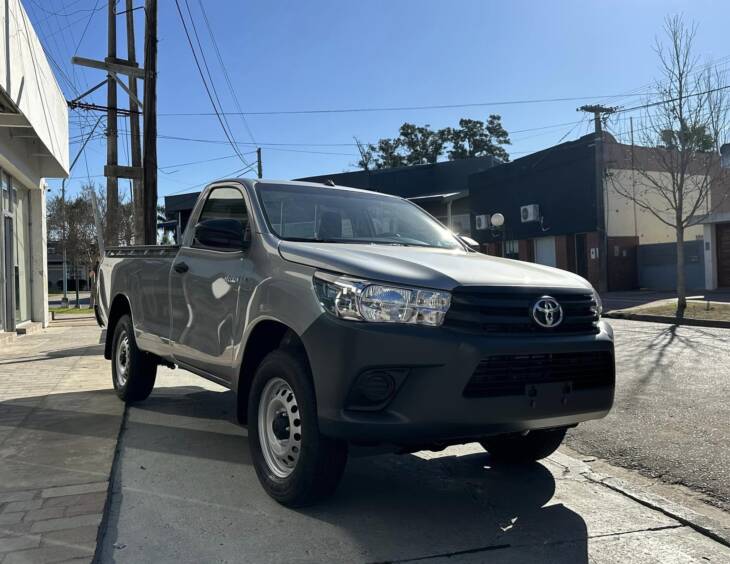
695 310
74 310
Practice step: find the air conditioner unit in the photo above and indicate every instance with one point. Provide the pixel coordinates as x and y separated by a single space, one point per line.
530 213
482 222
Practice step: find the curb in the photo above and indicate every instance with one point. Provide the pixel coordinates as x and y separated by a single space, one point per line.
692 519
704 525
669 320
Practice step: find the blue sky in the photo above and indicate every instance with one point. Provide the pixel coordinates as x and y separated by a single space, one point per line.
284 56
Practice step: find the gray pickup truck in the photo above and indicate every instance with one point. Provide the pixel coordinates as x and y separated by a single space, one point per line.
343 317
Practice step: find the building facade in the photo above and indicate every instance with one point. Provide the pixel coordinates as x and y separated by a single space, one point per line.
33 146
582 220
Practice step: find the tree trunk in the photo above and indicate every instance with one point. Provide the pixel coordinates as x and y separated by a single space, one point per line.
681 282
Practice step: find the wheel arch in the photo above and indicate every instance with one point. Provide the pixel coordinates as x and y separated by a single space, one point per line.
120 306
266 336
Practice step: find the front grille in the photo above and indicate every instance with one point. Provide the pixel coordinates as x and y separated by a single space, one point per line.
508 311
509 375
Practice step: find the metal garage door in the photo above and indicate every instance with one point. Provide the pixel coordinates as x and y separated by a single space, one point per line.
723 254
545 251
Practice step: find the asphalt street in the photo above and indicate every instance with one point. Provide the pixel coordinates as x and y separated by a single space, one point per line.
671 416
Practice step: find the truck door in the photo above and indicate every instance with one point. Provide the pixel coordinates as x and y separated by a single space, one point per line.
204 289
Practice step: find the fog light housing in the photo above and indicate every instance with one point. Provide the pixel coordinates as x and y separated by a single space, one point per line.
375 388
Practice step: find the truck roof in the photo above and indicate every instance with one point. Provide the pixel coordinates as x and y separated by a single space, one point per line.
264 181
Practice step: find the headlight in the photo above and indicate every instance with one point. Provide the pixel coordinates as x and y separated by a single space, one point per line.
356 299
598 308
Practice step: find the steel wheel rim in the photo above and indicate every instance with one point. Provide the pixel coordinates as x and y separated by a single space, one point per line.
122 360
279 427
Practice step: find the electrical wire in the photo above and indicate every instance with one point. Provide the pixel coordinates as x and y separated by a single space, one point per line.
221 118
231 89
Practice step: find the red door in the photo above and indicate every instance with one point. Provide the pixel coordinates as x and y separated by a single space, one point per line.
722 234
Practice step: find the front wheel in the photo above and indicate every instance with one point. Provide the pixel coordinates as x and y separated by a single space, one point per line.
295 464
133 370
516 447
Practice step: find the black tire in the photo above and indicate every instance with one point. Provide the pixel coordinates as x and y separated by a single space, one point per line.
320 461
140 367
516 447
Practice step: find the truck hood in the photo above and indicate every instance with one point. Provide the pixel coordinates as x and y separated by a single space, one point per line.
441 269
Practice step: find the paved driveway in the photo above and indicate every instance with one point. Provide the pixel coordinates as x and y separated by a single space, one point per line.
671 417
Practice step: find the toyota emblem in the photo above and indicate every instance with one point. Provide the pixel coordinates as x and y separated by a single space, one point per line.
547 312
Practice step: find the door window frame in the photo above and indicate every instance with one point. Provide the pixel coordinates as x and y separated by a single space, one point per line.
189 235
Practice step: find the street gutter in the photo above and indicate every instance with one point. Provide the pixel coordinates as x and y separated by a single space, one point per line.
620 314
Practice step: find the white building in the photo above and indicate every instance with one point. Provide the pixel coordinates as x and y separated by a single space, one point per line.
33 146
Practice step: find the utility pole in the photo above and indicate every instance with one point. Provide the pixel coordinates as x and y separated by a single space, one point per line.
599 112
259 163
112 182
150 124
136 147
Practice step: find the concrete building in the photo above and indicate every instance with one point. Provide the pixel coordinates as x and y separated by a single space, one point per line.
716 228
33 146
582 222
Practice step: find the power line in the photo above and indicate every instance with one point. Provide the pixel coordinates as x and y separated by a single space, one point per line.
221 118
233 174
397 108
670 100
88 22
231 89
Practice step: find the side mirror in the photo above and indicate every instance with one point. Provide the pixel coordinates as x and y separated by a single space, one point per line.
221 235
469 242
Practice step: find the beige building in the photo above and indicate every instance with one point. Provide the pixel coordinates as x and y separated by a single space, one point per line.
33 146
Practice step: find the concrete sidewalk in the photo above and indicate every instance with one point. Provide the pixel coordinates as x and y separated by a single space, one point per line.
59 423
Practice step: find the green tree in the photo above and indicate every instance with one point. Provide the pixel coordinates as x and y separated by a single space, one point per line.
694 137
475 138
418 144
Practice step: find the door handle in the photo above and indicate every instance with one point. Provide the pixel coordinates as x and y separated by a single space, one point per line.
181 267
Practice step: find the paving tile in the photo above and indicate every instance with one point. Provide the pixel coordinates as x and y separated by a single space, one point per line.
44 514
10 518
23 505
75 489
79 536
17 496
97 498
20 542
46 555
74 510
66 523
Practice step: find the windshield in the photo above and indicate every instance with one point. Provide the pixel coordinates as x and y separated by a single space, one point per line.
331 215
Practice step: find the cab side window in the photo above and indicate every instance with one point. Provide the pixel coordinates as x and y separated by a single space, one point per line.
225 203
223 222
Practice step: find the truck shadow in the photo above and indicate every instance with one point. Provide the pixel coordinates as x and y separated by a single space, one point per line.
456 508
388 508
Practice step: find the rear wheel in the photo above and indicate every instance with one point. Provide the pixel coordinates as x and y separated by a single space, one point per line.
295 464
517 447
133 371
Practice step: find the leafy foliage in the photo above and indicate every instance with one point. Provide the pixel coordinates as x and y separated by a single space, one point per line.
79 229
422 145
689 137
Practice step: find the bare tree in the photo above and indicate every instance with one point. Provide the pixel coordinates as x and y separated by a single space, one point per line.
684 131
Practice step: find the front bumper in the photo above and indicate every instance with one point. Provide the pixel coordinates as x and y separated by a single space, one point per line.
429 407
